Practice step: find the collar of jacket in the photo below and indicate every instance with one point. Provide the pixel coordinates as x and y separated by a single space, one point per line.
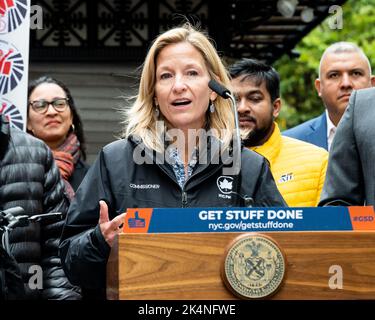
271 148
4 134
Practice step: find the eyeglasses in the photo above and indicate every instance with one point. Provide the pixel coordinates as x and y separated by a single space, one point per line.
41 106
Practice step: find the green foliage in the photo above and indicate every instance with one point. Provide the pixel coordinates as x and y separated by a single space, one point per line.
300 100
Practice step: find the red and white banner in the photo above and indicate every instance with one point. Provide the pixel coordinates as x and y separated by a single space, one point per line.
14 59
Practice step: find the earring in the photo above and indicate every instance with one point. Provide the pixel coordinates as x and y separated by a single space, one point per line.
157 112
73 127
212 107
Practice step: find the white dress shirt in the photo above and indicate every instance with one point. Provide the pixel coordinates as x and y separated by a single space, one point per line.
331 130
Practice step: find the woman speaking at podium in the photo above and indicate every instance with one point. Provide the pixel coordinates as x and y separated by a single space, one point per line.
177 151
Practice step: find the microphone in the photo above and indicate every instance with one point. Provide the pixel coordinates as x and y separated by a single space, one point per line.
50 217
13 217
219 89
226 94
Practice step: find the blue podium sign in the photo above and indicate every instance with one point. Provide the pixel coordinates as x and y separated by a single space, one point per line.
175 220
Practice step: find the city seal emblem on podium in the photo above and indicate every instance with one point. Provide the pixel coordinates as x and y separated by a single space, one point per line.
254 266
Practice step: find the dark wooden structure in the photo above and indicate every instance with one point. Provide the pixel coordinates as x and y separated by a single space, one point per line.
121 30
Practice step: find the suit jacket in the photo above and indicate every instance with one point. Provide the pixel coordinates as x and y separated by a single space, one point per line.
350 176
313 131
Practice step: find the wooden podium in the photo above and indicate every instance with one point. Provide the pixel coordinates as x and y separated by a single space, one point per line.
187 265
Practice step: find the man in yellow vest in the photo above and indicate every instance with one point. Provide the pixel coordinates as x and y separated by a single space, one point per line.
298 167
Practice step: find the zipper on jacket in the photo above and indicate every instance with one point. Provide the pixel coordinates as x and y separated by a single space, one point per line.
184 199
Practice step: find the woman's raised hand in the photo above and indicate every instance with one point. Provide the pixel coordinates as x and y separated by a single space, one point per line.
110 228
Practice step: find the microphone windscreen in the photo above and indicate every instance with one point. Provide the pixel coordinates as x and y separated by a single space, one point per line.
219 89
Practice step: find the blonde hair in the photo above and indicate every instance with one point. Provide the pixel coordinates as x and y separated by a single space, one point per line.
140 117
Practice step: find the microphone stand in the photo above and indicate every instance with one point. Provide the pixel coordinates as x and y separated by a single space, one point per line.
237 149
226 94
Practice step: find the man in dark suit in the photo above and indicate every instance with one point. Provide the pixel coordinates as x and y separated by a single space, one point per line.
350 178
343 68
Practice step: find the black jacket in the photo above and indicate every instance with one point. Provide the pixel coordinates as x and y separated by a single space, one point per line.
117 179
29 178
79 173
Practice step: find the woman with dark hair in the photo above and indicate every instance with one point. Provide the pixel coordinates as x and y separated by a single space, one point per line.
53 118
